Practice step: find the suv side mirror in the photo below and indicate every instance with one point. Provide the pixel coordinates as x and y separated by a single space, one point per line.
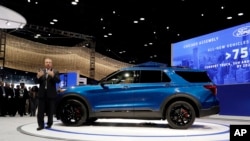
103 85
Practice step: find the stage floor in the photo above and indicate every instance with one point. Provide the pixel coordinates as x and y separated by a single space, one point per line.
214 128
135 130
127 130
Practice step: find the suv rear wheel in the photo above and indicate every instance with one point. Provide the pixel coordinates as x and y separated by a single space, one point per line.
180 115
73 113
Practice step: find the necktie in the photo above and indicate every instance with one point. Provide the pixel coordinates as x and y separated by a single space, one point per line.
46 75
3 91
14 92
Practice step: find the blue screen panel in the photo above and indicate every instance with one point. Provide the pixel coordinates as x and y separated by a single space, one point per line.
72 79
68 79
225 54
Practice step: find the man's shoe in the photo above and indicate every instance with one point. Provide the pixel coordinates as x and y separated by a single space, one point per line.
48 127
39 128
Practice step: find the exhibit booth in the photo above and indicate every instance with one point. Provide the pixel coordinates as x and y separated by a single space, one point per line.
71 79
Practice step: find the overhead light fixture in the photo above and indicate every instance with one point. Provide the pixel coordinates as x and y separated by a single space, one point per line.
21 25
74 3
37 36
240 14
8 23
142 19
135 22
11 19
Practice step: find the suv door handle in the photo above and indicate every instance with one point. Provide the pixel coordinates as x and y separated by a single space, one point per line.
167 85
125 87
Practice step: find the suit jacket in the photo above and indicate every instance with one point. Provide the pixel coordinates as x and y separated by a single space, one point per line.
9 92
1 92
51 85
24 92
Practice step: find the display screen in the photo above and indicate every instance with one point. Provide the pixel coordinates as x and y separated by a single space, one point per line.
224 54
68 79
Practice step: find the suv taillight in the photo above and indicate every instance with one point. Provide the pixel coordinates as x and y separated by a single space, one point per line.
212 88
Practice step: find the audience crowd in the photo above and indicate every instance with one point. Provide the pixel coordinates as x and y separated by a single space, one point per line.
18 100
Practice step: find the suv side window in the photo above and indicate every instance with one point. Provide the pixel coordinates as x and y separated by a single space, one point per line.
121 77
152 76
194 77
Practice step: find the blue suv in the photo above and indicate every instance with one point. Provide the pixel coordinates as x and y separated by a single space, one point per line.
175 94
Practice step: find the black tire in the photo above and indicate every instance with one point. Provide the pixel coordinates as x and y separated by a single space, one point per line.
91 120
180 115
73 113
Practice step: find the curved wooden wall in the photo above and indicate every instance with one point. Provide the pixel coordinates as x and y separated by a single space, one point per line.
26 55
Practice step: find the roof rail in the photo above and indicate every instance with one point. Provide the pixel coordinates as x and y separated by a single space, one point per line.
180 67
151 64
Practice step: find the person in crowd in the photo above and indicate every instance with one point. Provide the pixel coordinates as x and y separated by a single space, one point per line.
33 100
27 102
10 97
23 95
14 100
47 79
17 94
3 100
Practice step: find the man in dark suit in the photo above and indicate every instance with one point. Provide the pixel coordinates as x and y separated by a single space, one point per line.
23 95
3 100
47 79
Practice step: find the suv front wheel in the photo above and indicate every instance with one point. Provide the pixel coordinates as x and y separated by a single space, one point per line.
73 113
180 115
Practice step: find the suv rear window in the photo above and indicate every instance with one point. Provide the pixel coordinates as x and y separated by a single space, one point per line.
152 76
194 77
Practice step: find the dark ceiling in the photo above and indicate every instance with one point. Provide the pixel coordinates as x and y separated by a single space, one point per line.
165 22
